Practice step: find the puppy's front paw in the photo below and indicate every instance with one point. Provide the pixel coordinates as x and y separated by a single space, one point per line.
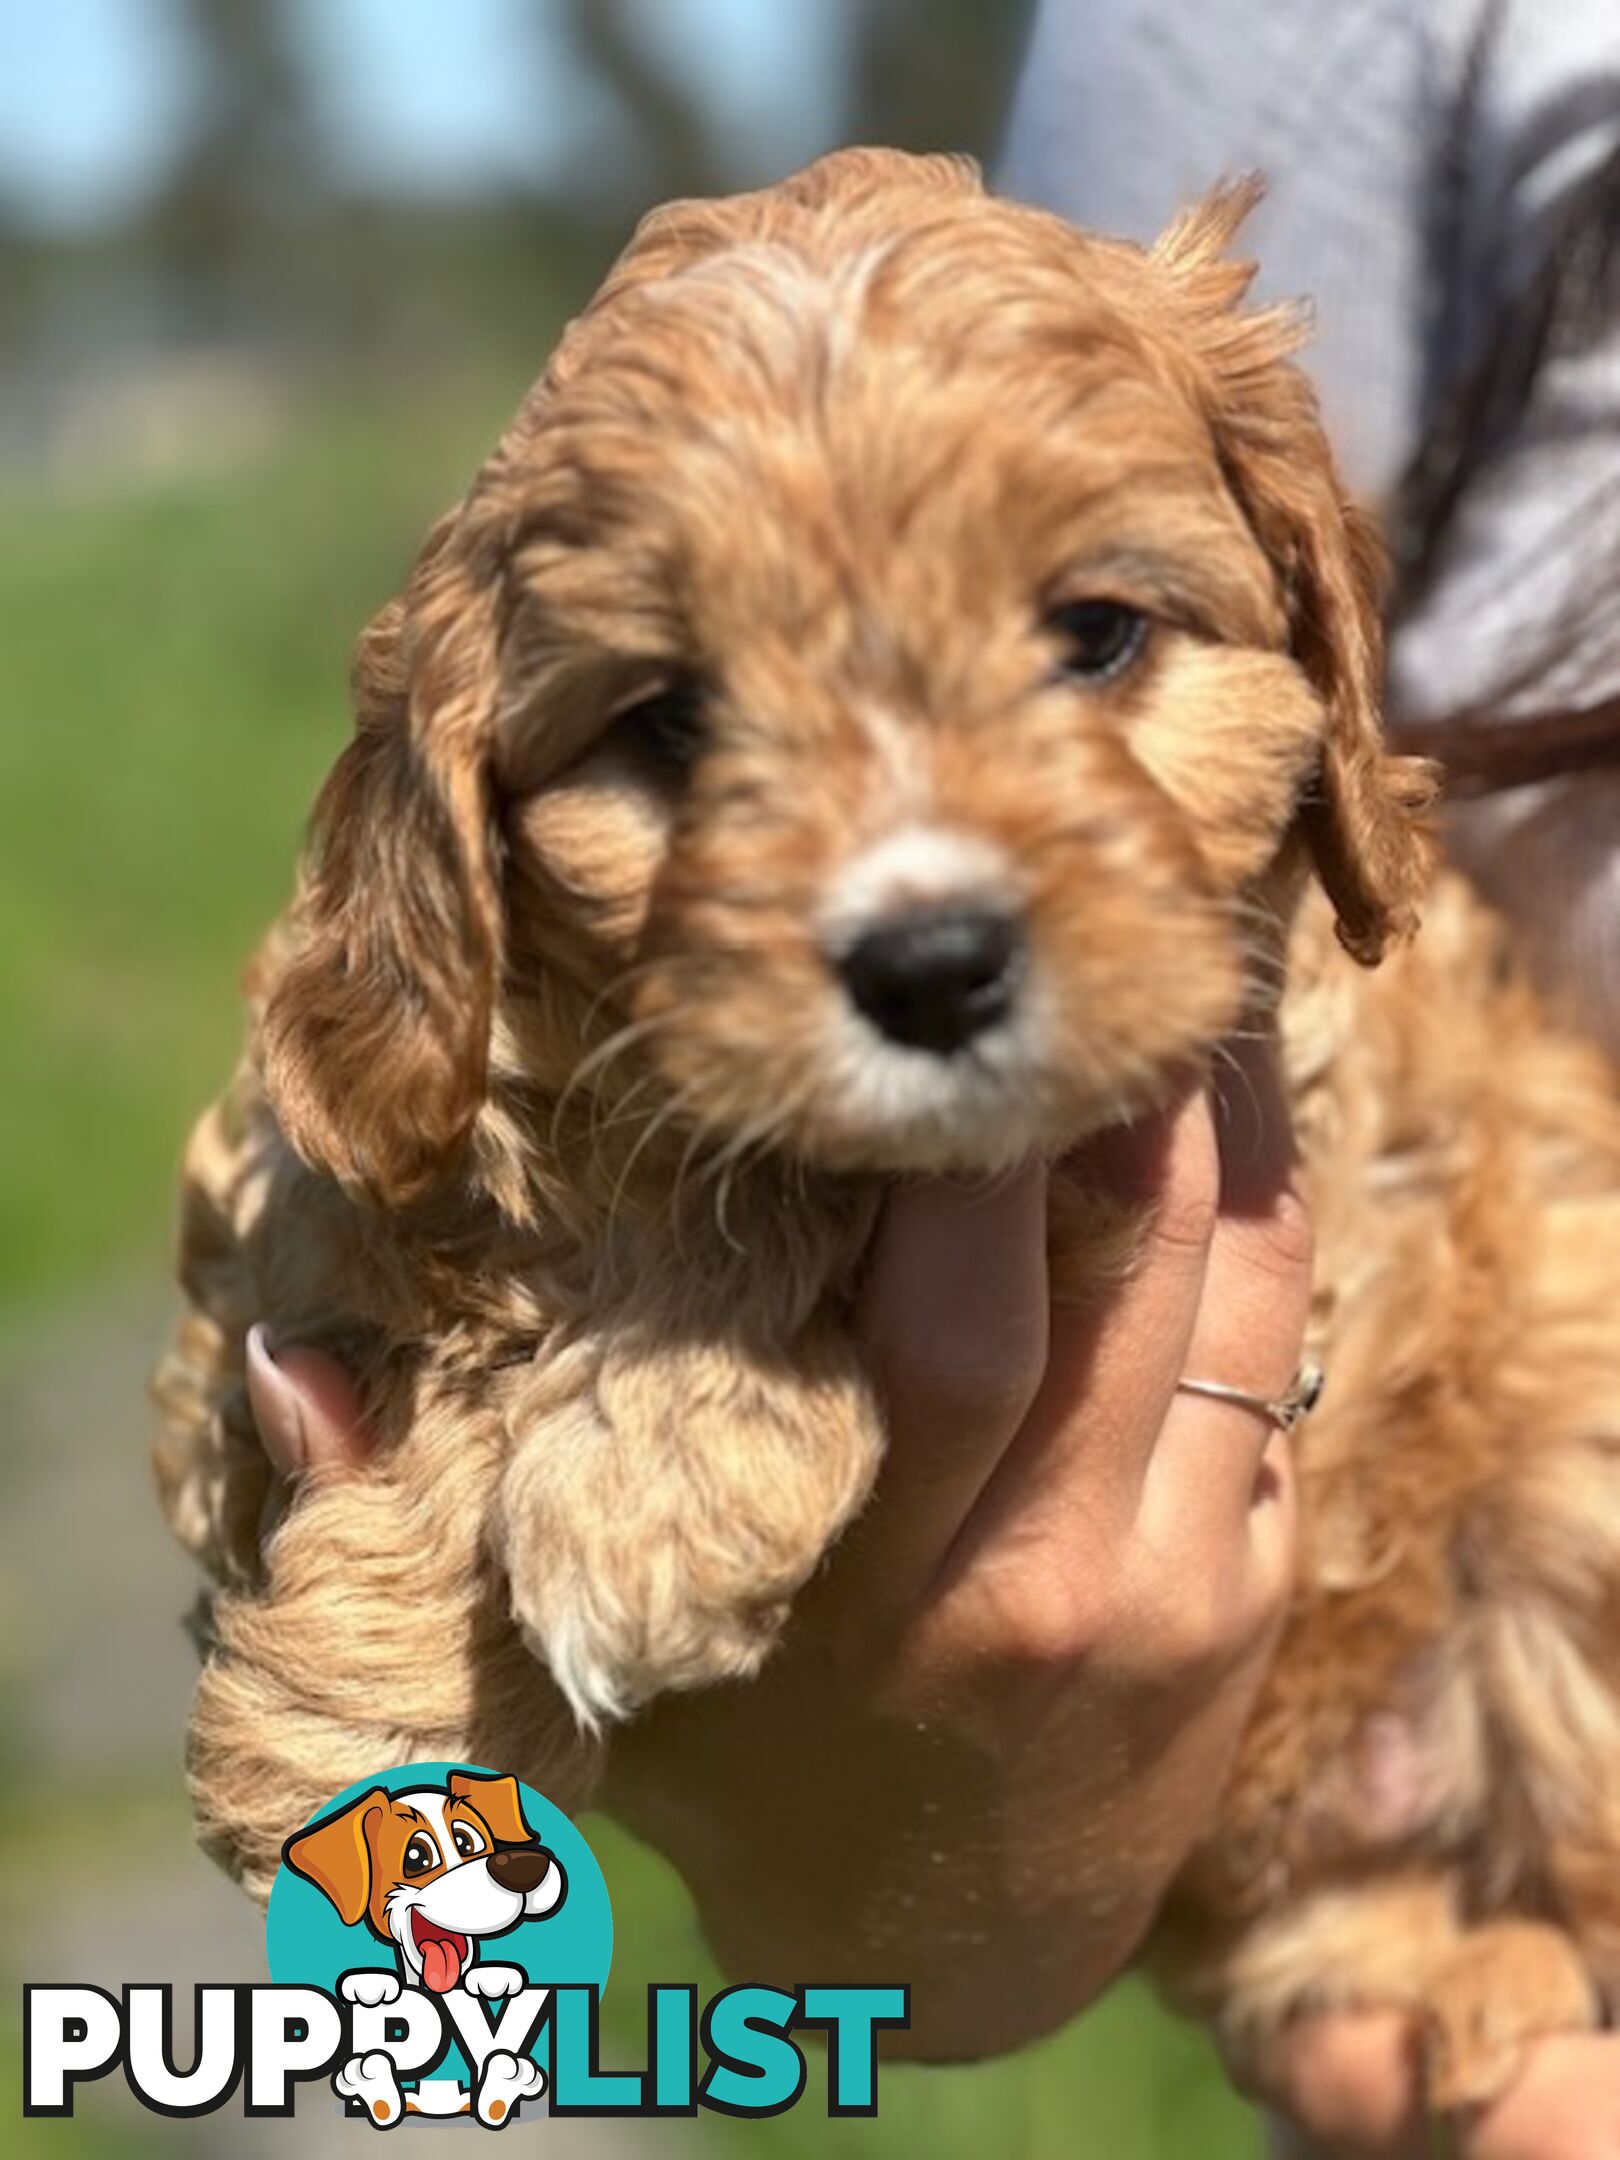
370 1988
656 1529
370 2080
493 1980
506 2082
1511 1982
610 1654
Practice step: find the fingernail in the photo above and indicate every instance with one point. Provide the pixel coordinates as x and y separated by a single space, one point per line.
277 1408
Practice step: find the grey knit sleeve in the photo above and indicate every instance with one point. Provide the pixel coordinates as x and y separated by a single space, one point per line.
1128 108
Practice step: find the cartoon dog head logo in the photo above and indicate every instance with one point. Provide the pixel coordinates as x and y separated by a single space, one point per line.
433 1872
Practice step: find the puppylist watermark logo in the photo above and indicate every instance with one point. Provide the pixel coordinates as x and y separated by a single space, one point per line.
438 1940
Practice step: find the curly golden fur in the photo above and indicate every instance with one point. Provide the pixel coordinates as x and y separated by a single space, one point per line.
557 1124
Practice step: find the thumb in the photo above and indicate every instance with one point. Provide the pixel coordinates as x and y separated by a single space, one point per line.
1352 2083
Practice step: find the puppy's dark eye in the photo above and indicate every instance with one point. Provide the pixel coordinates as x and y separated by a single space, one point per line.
1098 639
420 1855
467 1841
666 729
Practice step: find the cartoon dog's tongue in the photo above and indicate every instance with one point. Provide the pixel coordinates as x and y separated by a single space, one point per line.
443 1954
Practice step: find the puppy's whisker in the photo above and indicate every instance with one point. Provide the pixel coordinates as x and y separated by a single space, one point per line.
1075 834
629 1110
1234 1065
623 1038
597 1061
682 1171
753 1141
722 1202
616 988
788 902
671 1109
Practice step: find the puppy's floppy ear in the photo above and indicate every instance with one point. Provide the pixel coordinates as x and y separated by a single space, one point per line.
1362 818
335 1855
376 1032
498 1800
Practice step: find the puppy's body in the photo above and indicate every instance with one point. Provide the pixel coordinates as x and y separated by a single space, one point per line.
1423 1809
874 556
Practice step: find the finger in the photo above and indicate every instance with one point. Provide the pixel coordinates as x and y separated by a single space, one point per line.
1214 1459
1563 2105
306 1407
1254 1126
953 1313
1351 2082
1081 1456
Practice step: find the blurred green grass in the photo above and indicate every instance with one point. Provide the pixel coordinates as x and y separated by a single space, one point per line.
172 679
172 689
1125 2082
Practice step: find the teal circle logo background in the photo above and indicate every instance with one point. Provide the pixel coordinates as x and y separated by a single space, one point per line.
307 1943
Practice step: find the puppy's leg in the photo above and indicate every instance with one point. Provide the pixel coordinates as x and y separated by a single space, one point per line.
1509 1982
1480 1994
383 1636
663 1503
1545 1551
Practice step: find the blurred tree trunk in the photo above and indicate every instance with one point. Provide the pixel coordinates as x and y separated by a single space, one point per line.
249 172
923 74
934 74
674 143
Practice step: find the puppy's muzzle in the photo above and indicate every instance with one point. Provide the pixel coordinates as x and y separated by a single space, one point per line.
932 978
521 1869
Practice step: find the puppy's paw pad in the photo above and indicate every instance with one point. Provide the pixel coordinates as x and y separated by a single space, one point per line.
370 1988
507 2082
491 1981
370 2081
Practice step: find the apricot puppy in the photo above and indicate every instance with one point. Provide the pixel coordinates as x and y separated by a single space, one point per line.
881 710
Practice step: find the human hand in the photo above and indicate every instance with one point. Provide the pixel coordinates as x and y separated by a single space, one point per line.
1004 1711
1352 2085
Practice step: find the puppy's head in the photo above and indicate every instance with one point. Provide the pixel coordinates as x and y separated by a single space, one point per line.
887 676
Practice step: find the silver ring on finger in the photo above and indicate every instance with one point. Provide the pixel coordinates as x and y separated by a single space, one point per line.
1285 1411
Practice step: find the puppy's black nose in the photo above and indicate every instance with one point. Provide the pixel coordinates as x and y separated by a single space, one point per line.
933 978
521 1868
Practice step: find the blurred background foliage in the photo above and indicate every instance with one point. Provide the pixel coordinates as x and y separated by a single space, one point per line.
273 273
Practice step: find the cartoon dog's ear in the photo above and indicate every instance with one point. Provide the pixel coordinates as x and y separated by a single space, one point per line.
335 1856
497 1799
1362 819
376 1032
